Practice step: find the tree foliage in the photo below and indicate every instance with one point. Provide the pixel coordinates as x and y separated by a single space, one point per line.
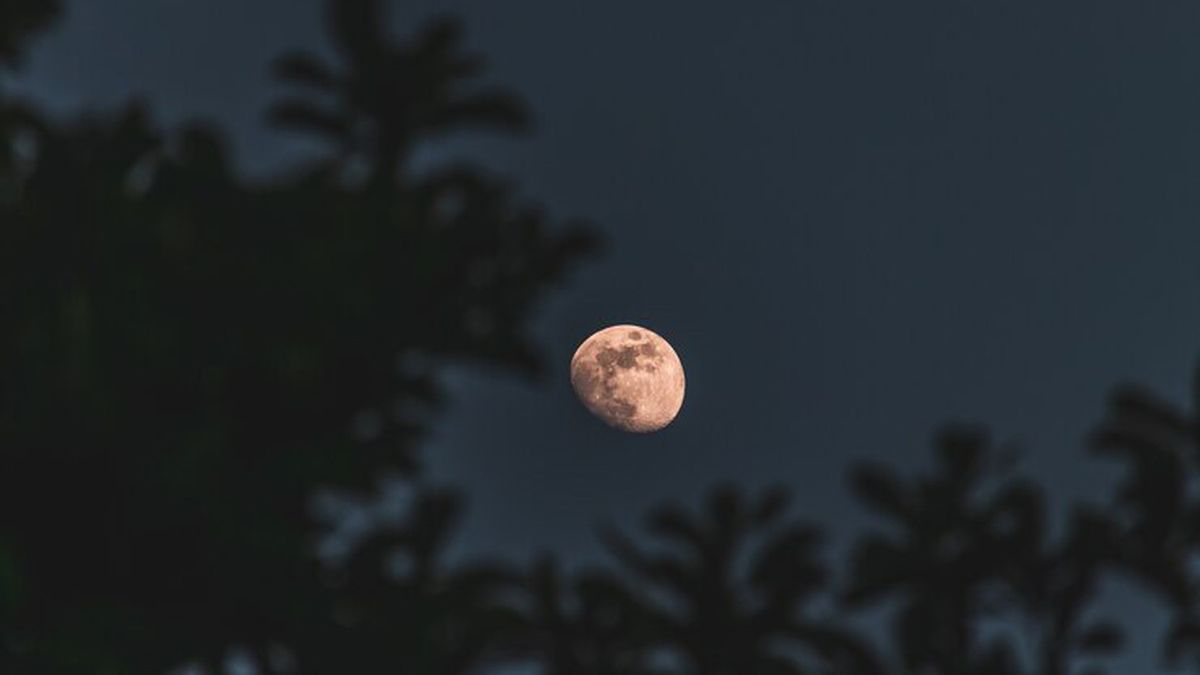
188 356
19 20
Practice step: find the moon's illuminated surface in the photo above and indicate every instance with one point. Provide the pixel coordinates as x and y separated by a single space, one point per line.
629 377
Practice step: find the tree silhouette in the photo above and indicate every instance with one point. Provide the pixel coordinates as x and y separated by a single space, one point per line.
970 545
19 20
724 612
387 97
1156 504
397 607
587 625
187 357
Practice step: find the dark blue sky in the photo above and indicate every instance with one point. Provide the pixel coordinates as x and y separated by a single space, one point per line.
854 221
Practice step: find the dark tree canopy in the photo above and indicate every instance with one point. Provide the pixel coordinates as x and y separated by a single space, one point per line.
19 20
187 356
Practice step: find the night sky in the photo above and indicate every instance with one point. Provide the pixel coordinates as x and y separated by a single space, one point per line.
853 220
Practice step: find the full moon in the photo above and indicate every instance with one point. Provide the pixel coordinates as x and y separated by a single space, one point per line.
629 377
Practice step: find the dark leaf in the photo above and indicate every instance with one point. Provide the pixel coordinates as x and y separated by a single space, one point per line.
304 117
1101 638
880 490
304 69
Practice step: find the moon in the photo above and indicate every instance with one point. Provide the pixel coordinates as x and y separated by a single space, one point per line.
629 377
